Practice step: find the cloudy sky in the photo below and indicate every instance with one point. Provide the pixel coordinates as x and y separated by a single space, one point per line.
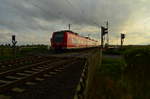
33 21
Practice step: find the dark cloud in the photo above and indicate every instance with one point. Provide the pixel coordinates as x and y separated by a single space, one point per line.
35 20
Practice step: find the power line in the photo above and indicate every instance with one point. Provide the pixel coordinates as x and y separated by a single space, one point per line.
37 6
70 3
81 12
44 10
60 13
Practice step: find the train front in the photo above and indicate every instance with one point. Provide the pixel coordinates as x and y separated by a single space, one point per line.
58 40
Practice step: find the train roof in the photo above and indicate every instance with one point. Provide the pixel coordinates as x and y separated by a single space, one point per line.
66 31
74 33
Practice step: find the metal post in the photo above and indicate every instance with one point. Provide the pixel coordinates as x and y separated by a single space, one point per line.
122 39
14 42
101 39
121 42
107 33
69 26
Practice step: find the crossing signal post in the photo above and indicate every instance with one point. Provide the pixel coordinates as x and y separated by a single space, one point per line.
104 31
122 39
107 34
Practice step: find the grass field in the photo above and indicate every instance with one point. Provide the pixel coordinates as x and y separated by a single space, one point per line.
124 78
107 82
7 52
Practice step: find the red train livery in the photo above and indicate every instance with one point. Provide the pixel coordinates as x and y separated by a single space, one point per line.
69 40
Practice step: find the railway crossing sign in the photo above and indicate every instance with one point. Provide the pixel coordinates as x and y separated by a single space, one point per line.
14 40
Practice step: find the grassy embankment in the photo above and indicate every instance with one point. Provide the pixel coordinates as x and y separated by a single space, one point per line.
124 78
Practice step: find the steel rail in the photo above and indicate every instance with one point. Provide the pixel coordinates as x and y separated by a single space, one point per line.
35 73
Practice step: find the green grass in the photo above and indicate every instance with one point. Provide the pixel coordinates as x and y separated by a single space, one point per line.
6 52
124 78
114 51
136 56
112 67
108 80
138 71
10 57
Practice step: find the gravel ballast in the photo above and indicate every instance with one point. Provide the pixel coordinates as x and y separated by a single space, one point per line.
59 86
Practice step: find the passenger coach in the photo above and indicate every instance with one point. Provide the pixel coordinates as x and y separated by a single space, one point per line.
69 40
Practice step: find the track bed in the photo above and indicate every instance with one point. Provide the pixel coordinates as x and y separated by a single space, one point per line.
51 78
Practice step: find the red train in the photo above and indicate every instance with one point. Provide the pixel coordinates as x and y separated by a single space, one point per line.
69 40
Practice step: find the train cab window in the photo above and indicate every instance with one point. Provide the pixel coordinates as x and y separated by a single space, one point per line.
58 37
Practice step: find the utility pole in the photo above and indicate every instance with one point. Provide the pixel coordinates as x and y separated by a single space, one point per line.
101 38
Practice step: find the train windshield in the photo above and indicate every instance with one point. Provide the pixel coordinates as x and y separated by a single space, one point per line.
58 37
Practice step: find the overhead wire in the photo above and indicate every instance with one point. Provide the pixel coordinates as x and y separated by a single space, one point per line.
37 6
82 14
60 13
71 5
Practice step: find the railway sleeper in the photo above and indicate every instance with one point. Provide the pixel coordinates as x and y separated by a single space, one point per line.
28 77
13 77
29 71
23 74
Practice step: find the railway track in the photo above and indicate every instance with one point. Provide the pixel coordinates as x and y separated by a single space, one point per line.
17 76
15 63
